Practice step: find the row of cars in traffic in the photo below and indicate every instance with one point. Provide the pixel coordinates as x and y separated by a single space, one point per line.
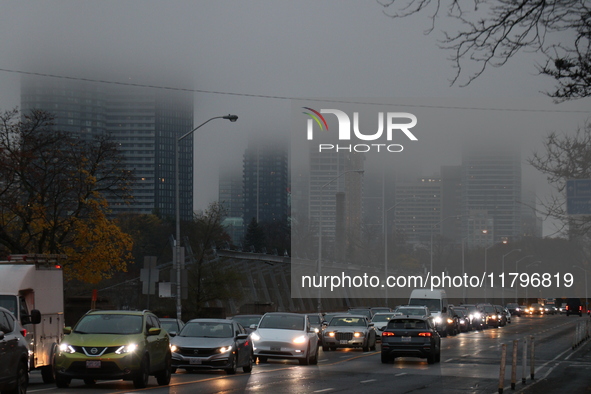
134 345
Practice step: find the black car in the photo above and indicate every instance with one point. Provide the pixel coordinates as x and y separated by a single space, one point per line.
14 355
475 316
461 314
574 307
514 309
490 316
407 336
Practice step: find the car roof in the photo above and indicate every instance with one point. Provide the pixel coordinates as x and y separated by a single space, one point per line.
117 312
208 320
406 317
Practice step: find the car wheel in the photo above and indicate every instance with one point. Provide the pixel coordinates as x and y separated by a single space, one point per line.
431 359
248 367
314 360
163 377
140 380
89 382
373 348
234 366
305 360
366 346
325 348
385 358
333 348
262 359
62 382
48 371
22 380
172 369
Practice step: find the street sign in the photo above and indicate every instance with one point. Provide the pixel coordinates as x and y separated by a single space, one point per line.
578 196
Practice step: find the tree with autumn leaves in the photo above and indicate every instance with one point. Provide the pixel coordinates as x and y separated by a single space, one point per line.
52 196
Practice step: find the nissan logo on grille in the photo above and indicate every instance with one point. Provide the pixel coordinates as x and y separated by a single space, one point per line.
94 350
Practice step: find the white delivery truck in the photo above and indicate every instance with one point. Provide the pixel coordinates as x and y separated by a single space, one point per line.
32 288
436 301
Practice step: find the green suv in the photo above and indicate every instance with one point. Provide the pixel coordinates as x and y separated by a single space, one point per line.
128 345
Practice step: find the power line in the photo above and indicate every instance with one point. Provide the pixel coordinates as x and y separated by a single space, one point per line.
282 97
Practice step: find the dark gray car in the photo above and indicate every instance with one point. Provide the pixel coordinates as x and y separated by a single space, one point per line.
14 355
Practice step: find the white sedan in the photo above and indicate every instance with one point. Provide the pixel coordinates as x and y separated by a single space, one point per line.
285 336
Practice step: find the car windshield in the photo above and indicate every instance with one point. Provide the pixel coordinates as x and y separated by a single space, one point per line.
207 330
110 324
381 318
314 319
433 304
365 312
247 321
284 322
407 324
348 321
489 308
169 325
411 311
8 302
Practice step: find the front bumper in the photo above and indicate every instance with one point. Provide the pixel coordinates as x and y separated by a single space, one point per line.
353 342
216 361
281 350
80 366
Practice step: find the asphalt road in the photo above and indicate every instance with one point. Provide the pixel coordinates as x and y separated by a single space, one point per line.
470 363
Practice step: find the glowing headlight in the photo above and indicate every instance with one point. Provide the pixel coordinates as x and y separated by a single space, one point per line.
173 348
254 336
358 334
300 339
225 349
65 348
477 315
499 316
438 320
126 349
316 330
450 321
330 334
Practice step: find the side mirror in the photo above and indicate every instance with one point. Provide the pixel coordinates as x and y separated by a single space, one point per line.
444 310
370 325
154 331
33 318
242 336
253 326
67 330
172 333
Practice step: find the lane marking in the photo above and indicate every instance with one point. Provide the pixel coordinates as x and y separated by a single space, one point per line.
368 381
323 390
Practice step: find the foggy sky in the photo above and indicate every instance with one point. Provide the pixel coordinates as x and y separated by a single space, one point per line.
280 49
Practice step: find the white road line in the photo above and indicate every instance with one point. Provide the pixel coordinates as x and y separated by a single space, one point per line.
368 381
448 360
323 390
400 374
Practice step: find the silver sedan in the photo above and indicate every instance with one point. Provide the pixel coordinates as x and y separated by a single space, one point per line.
349 331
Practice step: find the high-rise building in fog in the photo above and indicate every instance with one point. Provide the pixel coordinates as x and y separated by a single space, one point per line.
491 188
144 122
265 177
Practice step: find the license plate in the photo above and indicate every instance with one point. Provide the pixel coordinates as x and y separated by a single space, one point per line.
344 342
275 349
93 364
194 361
406 339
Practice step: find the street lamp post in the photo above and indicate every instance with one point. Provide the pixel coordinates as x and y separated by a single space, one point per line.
586 298
503 273
177 260
320 228
517 272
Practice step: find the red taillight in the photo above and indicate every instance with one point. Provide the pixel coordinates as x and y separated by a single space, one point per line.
387 334
580 308
24 332
424 334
